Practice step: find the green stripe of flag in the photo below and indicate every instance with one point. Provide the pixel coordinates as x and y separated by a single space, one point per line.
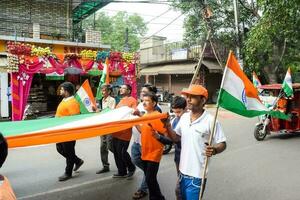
232 104
83 108
287 89
21 127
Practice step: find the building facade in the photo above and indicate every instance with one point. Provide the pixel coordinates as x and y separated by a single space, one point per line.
55 24
171 67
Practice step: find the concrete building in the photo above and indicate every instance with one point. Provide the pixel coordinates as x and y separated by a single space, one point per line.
55 24
171 66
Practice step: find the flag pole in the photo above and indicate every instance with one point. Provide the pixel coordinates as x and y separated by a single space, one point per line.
212 134
206 158
201 57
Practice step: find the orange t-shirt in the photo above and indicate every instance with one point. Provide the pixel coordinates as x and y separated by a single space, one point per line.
125 134
67 107
6 192
152 149
282 103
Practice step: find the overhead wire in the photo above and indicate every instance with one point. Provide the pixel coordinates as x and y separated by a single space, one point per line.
162 28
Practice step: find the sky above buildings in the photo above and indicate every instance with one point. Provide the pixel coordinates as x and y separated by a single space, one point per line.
161 19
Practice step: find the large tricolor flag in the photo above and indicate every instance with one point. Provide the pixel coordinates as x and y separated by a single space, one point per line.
287 85
85 97
104 78
62 129
239 95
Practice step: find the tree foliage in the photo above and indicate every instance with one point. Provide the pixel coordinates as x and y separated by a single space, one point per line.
273 44
113 29
270 31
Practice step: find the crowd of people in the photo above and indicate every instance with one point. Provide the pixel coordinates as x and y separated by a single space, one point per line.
189 130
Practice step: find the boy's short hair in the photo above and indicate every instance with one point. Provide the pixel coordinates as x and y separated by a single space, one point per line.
3 149
178 102
69 87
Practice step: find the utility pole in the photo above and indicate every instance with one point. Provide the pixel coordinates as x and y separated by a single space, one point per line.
237 30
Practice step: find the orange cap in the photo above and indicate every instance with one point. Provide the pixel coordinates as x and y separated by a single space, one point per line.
196 90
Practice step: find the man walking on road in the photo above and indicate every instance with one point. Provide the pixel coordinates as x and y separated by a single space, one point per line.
194 129
68 106
120 140
106 102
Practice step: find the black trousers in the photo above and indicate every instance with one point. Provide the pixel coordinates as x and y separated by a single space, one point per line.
122 157
150 170
67 150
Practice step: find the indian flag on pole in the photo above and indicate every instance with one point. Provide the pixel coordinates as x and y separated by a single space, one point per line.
255 80
239 95
287 85
104 79
85 97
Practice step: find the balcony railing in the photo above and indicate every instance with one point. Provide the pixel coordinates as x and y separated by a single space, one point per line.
176 51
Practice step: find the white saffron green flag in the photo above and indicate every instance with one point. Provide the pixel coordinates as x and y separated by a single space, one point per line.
239 95
256 82
104 79
69 128
287 85
85 98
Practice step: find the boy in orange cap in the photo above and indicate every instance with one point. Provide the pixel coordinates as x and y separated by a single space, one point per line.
194 129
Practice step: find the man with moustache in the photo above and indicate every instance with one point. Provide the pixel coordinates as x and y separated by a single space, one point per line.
107 101
121 139
194 129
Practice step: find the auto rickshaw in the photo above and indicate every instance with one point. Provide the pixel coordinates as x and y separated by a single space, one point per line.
290 106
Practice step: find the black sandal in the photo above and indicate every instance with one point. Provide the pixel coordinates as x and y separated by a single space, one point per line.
139 194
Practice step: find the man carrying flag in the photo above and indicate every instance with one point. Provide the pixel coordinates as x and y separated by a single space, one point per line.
67 107
194 129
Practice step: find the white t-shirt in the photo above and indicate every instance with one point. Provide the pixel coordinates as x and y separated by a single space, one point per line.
108 102
193 136
135 133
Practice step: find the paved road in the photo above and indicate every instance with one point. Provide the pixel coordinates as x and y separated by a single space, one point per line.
247 170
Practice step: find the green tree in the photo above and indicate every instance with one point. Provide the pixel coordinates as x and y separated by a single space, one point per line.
221 22
273 44
113 29
270 40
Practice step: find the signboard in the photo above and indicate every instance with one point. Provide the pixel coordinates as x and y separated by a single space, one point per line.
179 54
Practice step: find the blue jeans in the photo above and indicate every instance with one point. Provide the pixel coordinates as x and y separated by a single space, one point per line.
136 155
189 187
